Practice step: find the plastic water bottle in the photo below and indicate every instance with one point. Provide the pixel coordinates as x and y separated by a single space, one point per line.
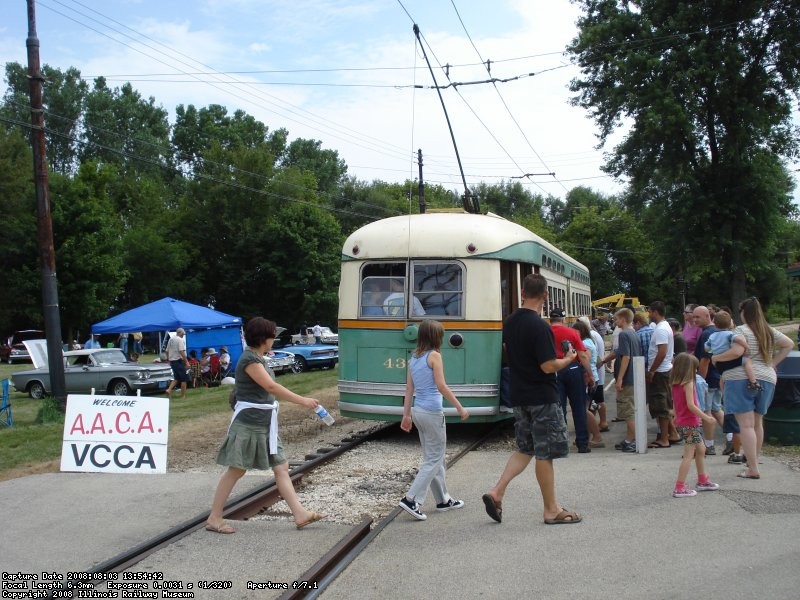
324 415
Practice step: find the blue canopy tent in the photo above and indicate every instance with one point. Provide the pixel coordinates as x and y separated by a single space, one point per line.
204 327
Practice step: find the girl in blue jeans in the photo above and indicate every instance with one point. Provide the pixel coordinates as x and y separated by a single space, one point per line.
425 383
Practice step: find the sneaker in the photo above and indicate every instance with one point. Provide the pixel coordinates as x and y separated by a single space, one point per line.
683 493
736 459
628 446
584 449
449 505
728 449
707 486
412 508
711 451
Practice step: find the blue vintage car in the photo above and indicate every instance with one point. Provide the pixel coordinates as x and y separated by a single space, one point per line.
307 356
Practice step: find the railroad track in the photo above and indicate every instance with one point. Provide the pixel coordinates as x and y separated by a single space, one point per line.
327 568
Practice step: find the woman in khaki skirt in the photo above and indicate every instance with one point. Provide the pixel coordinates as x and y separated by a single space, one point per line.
252 441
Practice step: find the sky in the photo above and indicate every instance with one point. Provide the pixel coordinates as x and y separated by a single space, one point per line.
344 72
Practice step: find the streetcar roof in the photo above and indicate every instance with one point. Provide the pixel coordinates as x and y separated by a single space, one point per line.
451 235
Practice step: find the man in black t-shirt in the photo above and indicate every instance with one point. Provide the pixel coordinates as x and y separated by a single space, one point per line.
541 431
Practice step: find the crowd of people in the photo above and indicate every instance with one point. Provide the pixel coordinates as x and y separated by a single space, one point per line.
718 370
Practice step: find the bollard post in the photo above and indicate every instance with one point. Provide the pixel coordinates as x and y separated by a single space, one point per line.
639 404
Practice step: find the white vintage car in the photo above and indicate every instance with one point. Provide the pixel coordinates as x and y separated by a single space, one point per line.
307 336
106 370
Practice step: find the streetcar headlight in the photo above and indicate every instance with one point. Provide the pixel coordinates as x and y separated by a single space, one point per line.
456 340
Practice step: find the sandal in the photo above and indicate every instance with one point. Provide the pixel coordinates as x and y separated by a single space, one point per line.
493 508
747 475
565 517
312 519
657 444
223 528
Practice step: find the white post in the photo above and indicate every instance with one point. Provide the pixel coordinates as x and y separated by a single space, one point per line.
640 404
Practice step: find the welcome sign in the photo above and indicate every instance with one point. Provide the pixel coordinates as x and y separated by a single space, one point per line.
115 434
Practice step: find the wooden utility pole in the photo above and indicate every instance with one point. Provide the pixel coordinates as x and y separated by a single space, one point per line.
421 184
47 255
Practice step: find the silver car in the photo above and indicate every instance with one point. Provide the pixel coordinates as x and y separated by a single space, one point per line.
106 370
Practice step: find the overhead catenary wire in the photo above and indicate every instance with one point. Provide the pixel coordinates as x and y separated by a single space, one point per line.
381 146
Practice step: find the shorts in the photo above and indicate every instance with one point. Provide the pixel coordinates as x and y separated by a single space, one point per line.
597 394
659 396
541 431
740 399
713 400
730 424
625 409
180 372
690 434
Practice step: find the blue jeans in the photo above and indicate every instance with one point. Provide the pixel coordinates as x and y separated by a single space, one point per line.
571 385
431 474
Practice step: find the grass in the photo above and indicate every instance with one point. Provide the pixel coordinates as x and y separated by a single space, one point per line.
39 425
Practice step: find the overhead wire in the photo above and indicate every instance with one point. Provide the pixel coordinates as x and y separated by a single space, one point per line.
375 144
168 150
201 175
494 85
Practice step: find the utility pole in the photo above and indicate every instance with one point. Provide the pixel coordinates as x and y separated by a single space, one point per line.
47 255
421 184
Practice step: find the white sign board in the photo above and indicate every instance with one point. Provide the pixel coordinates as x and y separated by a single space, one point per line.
115 434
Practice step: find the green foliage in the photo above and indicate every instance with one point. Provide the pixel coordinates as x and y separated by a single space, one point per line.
50 412
20 285
707 89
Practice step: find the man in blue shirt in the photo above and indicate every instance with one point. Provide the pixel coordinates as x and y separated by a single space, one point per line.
92 342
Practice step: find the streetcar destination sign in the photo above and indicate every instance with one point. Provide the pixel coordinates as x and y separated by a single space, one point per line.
115 434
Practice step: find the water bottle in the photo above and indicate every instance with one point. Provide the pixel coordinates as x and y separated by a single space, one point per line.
324 415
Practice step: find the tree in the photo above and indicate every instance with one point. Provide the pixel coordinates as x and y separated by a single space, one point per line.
706 88
123 128
20 284
63 95
88 242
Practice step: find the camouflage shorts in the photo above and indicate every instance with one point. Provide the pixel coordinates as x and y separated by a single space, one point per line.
690 434
541 431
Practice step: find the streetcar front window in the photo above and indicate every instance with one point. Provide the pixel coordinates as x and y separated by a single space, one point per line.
436 288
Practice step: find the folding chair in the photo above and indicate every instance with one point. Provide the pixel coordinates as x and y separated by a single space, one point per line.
6 417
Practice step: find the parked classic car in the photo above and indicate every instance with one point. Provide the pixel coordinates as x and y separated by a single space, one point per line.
13 350
307 356
107 370
281 362
306 336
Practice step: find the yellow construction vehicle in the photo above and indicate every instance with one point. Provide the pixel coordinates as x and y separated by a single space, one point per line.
611 303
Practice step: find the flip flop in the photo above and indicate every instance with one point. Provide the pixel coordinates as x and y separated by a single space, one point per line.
312 519
224 528
655 444
675 442
746 475
493 508
604 429
616 420
565 517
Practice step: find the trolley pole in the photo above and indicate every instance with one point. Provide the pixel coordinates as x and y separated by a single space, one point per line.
47 257
421 184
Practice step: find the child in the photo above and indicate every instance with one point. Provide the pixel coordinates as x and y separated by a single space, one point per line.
425 382
722 340
688 419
